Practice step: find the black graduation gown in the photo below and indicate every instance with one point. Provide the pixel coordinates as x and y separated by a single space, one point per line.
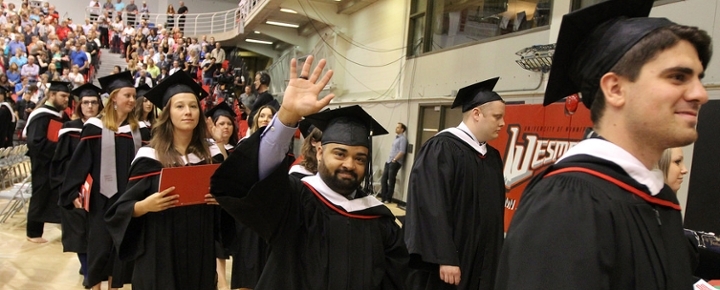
43 202
6 126
455 213
577 231
73 225
102 259
313 244
249 251
171 249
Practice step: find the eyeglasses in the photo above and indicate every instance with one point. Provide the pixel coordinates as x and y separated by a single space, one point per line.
90 103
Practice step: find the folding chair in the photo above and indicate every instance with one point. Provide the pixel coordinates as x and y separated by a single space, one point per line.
18 196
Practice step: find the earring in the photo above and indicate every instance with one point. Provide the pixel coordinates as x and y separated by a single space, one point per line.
115 106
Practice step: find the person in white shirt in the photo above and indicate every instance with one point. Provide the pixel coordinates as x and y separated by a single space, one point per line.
76 78
143 78
175 67
87 27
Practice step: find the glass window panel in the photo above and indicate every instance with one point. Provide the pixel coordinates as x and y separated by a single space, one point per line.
417 28
453 117
458 22
577 4
418 6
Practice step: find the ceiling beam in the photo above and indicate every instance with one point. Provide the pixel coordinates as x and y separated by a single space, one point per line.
323 12
285 34
263 49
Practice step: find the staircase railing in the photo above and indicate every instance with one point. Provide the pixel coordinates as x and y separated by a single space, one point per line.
195 24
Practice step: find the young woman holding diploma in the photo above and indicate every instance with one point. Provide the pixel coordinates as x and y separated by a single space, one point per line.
173 247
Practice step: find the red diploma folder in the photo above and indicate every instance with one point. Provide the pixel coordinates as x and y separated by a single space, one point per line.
53 130
191 183
85 190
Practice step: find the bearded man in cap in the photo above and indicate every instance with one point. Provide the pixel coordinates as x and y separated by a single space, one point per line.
324 232
41 132
454 223
602 217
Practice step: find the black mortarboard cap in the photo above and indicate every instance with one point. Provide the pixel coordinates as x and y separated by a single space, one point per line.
305 127
116 81
350 126
222 109
142 90
476 94
87 89
179 82
591 41
57 86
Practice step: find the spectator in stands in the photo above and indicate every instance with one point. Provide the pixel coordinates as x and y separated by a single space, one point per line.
152 69
119 7
52 71
132 12
94 9
6 84
79 58
145 11
182 10
62 31
163 74
175 67
128 34
65 76
43 85
13 75
132 66
144 29
109 8
170 17
19 59
116 70
76 77
162 62
143 78
209 69
18 42
218 53
103 22
30 70
70 24
118 37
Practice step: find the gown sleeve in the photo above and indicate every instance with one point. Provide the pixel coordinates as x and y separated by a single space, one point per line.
428 228
396 255
37 141
82 165
127 231
543 250
260 205
58 166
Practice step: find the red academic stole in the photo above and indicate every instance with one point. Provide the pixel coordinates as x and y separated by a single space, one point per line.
623 185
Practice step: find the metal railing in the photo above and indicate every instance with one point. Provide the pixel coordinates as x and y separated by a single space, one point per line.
195 24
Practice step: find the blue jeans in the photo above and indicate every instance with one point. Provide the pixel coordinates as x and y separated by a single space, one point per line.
388 180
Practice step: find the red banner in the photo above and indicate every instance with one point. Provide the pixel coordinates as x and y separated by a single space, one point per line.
536 137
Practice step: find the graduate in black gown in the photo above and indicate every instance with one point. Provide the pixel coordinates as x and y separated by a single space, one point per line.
107 147
456 197
324 232
602 217
224 133
74 223
7 119
306 165
172 247
41 131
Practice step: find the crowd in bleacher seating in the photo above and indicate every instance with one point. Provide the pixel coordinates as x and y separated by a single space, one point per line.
38 46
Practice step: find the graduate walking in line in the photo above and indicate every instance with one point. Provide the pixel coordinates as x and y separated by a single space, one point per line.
107 147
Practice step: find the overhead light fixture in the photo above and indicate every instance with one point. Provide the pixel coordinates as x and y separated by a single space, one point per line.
286 10
283 24
257 41
257 32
